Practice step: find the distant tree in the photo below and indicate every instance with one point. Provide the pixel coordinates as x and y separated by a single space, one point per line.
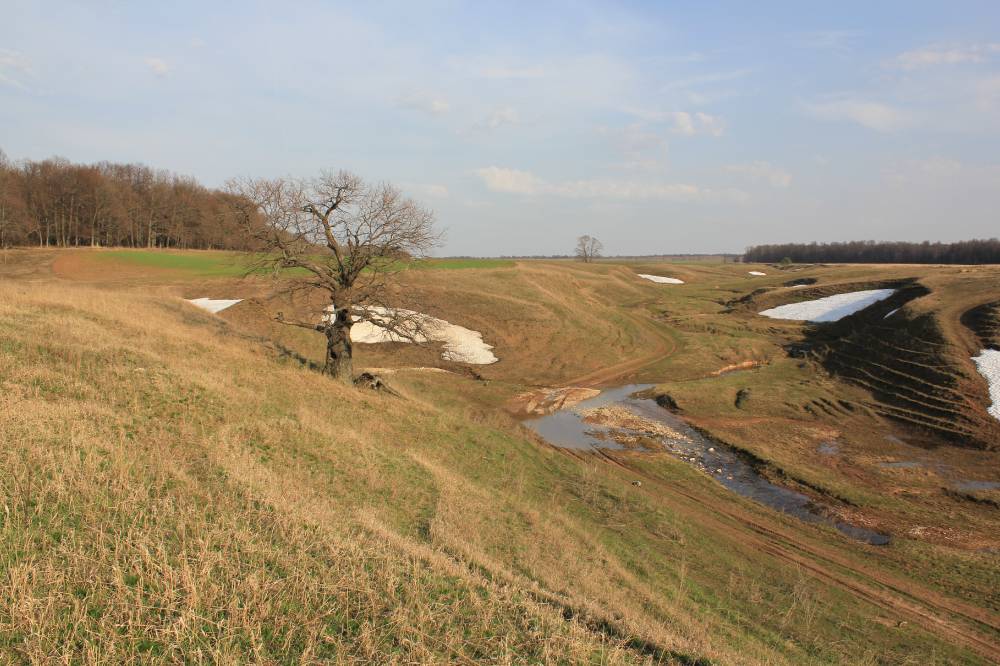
786 262
980 251
345 237
11 203
588 248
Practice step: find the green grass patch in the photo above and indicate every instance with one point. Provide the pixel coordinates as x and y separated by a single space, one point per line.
461 263
202 263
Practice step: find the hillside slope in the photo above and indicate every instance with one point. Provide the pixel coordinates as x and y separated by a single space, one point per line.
172 489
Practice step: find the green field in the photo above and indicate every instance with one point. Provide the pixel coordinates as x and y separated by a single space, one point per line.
461 263
207 263
203 263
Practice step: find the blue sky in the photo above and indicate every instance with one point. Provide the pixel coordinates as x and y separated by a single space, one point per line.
657 127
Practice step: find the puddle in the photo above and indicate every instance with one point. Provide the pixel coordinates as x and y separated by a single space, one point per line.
567 429
968 485
829 448
902 464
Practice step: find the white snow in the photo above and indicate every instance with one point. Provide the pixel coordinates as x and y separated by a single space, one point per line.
755 273
660 279
831 308
988 363
460 344
214 304
891 313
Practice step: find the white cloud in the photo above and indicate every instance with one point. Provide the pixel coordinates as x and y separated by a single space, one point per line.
710 124
987 93
15 68
432 190
873 115
682 122
605 189
499 117
829 40
642 147
945 55
935 187
505 73
424 102
514 181
764 171
697 123
935 171
706 79
158 66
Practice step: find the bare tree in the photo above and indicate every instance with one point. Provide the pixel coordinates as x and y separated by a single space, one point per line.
588 248
346 237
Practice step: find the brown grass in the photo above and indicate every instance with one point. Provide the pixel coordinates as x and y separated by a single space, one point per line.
173 488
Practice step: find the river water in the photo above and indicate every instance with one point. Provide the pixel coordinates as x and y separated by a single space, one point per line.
566 428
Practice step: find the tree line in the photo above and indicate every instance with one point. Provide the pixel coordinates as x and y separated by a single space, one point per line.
55 203
985 251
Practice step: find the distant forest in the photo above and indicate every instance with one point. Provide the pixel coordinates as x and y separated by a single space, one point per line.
54 203
873 252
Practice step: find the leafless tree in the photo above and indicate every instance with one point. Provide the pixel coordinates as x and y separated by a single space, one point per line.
344 237
55 202
588 248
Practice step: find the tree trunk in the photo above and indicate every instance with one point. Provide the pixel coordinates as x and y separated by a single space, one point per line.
339 352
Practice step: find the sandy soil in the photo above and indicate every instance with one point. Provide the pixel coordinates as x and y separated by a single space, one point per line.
546 401
743 365
617 416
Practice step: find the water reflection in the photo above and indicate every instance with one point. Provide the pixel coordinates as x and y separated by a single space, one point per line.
566 428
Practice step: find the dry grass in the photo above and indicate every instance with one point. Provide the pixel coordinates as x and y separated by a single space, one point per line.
142 521
173 490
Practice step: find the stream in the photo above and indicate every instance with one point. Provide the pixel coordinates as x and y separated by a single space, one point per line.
566 428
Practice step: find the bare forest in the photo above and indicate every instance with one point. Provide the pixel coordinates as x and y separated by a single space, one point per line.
873 252
55 203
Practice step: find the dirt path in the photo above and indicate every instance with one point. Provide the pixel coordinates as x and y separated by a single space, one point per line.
27 265
617 373
955 621
975 628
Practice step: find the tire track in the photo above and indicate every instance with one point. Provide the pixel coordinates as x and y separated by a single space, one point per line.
945 617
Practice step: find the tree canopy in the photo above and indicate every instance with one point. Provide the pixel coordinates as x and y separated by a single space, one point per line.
54 202
873 252
588 248
347 238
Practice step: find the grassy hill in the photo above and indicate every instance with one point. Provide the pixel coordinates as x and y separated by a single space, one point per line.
180 486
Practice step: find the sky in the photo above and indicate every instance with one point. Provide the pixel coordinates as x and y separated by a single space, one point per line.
658 127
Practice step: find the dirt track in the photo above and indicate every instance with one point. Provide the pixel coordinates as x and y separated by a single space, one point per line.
975 628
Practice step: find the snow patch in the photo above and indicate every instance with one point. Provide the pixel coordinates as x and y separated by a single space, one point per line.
891 313
214 304
461 344
755 273
831 308
988 364
660 279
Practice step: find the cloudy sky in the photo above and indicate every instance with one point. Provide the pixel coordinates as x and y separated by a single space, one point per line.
657 127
